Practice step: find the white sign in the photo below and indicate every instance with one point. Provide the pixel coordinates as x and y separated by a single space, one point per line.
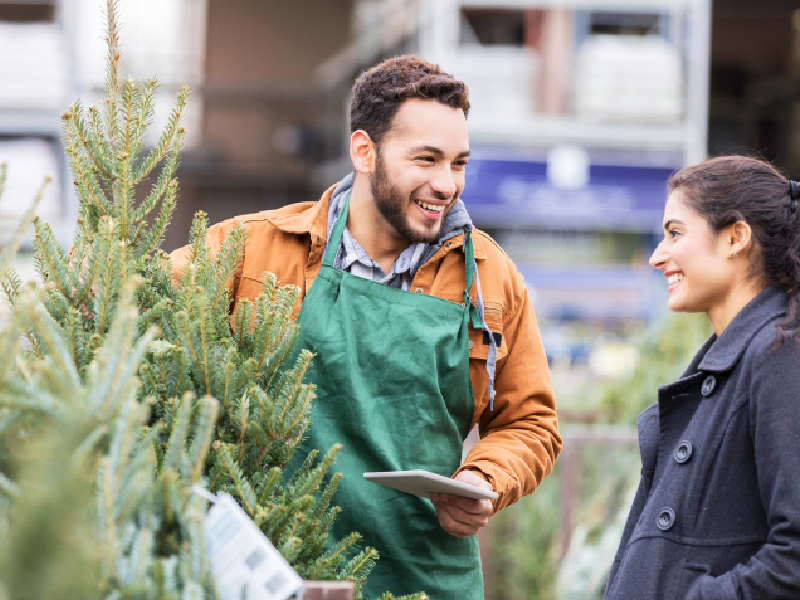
244 562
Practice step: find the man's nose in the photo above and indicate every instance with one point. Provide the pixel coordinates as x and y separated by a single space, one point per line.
444 184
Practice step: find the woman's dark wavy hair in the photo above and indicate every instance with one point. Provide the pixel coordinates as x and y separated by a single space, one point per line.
379 92
727 189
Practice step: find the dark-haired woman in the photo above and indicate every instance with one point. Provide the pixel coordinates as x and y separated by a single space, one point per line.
717 512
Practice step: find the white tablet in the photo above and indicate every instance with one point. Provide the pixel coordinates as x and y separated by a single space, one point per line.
423 483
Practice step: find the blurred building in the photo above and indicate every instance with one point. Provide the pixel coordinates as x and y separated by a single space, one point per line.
256 121
755 80
580 112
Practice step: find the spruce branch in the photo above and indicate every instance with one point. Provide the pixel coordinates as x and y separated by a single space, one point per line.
155 235
204 430
358 568
180 427
244 492
83 171
50 259
165 141
112 73
91 146
12 285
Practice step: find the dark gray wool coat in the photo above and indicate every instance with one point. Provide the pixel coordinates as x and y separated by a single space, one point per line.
717 512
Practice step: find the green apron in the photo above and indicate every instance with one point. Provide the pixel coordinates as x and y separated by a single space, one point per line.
393 387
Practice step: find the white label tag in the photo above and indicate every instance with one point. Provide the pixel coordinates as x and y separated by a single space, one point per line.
244 562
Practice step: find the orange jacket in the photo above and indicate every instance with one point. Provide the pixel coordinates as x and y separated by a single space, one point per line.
519 438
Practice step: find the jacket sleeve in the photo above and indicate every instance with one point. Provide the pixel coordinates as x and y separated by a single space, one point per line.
519 438
774 413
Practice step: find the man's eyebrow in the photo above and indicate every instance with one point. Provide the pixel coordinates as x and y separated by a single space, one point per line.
668 223
437 151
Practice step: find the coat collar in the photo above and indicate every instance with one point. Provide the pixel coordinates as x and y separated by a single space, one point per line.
314 222
725 350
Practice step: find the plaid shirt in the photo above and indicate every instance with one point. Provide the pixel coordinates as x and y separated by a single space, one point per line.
354 260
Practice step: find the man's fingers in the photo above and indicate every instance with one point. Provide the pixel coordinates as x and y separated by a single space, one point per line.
460 516
463 523
455 527
470 505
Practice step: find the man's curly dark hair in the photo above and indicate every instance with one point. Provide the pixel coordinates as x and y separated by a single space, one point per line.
379 92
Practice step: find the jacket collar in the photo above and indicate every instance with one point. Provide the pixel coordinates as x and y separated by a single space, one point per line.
724 352
314 222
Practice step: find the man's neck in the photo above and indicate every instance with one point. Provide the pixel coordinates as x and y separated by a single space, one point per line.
371 230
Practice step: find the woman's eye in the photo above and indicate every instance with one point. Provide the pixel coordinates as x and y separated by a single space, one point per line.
673 233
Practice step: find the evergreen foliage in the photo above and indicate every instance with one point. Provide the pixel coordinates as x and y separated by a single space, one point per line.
124 380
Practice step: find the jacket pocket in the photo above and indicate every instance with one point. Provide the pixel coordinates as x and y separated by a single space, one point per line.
480 344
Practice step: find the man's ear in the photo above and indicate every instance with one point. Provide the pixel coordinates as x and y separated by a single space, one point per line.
362 152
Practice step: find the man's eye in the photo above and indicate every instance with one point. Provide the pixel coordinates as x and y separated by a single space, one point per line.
460 164
426 158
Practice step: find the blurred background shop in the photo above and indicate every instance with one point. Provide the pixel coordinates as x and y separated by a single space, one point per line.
580 111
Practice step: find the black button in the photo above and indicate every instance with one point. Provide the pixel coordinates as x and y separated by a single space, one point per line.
665 519
683 452
709 385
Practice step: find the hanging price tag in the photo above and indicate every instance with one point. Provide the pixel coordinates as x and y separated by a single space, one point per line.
242 558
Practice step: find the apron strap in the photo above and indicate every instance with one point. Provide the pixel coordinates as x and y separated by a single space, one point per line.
476 312
469 276
332 246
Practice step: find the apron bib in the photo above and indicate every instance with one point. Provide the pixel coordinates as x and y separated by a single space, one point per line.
392 376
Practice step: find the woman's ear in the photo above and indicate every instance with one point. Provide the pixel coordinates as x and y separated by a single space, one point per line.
739 237
362 152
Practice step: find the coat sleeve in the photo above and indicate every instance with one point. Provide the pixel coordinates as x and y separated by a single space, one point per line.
519 438
774 413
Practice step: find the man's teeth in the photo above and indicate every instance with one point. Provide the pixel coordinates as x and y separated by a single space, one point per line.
431 207
675 278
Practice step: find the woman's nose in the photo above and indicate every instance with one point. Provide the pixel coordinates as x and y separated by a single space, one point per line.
658 258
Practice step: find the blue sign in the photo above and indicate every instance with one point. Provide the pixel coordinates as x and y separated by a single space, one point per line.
518 193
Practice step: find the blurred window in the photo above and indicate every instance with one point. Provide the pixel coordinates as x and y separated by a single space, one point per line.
492 27
27 12
619 23
29 160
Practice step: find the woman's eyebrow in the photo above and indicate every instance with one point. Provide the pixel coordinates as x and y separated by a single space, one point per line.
670 222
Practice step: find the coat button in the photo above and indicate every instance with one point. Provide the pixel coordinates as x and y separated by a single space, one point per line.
471 344
418 290
683 452
665 519
709 385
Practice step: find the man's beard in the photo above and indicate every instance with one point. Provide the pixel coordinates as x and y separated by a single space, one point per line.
391 204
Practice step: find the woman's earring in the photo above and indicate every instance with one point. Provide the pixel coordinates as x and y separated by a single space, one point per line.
733 255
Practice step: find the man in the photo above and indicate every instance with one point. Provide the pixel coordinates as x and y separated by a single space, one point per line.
422 327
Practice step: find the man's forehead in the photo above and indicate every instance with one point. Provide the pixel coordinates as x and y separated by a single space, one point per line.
430 123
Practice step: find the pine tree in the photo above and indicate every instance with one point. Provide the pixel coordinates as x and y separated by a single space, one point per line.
145 382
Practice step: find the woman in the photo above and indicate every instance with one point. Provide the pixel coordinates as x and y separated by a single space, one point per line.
717 512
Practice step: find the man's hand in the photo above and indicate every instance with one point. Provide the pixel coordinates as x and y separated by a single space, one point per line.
459 516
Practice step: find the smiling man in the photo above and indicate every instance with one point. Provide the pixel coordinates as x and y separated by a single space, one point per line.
422 328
